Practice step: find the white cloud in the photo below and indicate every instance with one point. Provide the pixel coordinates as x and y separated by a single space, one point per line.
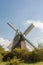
37 24
4 42
40 40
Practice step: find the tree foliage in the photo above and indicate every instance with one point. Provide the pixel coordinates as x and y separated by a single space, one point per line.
1 50
24 55
1 53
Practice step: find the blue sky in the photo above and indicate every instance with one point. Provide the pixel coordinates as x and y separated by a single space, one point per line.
19 12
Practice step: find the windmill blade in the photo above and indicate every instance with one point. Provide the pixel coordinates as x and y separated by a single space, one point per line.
15 40
10 45
13 27
28 29
30 43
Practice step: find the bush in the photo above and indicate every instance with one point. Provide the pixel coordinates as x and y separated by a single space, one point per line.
8 56
1 57
14 62
25 55
21 53
1 50
37 55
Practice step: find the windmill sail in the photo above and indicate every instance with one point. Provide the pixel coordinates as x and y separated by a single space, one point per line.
30 43
14 42
28 29
13 27
19 40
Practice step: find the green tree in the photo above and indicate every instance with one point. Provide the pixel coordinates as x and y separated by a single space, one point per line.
1 50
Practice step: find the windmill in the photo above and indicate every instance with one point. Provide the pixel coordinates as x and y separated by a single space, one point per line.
19 39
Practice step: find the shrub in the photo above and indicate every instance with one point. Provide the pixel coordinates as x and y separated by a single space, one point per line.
21 53
8 56
14 62
1 57
37 55
25 55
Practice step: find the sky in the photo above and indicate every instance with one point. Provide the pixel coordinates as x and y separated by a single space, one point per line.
21 13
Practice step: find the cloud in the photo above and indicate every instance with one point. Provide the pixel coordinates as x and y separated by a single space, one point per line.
40 39
37 24
4 42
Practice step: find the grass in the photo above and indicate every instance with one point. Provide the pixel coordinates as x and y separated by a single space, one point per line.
38 63
2 63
